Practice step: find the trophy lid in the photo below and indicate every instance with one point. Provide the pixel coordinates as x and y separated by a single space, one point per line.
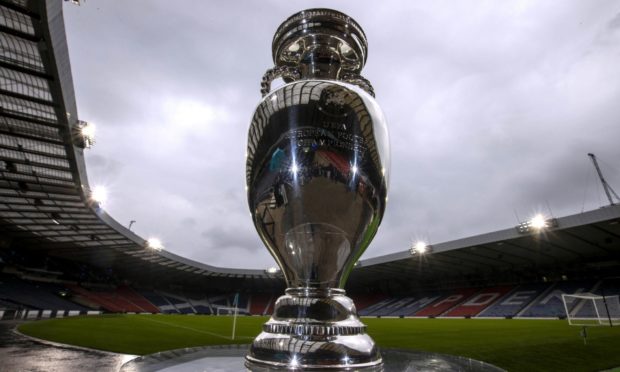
312 29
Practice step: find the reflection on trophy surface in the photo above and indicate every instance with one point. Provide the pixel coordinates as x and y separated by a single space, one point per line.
317 170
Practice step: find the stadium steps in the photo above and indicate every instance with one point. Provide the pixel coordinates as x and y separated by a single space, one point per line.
259 303
6 304
374 308
455 307
551 305
420 302
137 299
364 301
269 308
536 300
102 302
393 306
180 305
580 304
113 301
469 309
502 298
169 307
514 301
442 305
191 305
83 301
35 295
124 304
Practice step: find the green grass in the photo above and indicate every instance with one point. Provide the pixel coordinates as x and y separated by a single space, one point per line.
516 345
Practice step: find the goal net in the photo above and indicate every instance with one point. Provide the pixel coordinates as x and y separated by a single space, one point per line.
589 309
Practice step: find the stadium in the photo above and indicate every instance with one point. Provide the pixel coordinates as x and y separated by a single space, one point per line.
80 290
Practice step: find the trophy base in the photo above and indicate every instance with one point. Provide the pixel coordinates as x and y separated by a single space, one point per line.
314 329
230 358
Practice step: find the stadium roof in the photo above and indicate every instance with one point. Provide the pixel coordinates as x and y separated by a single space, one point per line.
45 199
588 241
45 205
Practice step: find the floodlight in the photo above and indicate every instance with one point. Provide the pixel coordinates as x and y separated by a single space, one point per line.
272 270
354 169
420 247
294 168
538 222
98 194
155 244
87 132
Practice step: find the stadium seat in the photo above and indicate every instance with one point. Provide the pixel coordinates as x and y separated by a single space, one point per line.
550 305
478 302
514 301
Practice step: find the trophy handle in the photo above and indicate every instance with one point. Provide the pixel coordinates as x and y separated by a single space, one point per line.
359 80
285 72
289 73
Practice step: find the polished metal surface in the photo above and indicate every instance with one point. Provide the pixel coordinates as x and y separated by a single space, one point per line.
319 44
229 358
317 178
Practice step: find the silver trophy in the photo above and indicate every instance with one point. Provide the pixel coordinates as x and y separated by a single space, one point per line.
317 178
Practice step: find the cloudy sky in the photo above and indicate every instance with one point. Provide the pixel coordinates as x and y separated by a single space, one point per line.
492 108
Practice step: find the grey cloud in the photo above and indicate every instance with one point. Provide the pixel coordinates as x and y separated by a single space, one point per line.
489 113
615 22
188 222
104 165
221 238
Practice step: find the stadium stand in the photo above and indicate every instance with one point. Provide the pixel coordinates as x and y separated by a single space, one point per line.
446 302
549 304
609 286
393 306
6 305
514 301
420 301
363 301
176 304
134 297
22 294
122 299
217 305
374 308
478 302
196 305
99 299
259 304
42 299
204 310
224 304
586 309
154 298
52 234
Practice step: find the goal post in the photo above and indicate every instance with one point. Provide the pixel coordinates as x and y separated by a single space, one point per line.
589 309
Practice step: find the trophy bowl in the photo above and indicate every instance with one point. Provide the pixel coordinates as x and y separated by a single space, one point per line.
317 178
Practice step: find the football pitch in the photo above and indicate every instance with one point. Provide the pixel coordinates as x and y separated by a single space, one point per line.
515 345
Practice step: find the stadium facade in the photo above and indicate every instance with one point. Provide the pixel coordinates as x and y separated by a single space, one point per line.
60 251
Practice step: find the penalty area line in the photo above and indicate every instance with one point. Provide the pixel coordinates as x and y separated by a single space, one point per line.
195 330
